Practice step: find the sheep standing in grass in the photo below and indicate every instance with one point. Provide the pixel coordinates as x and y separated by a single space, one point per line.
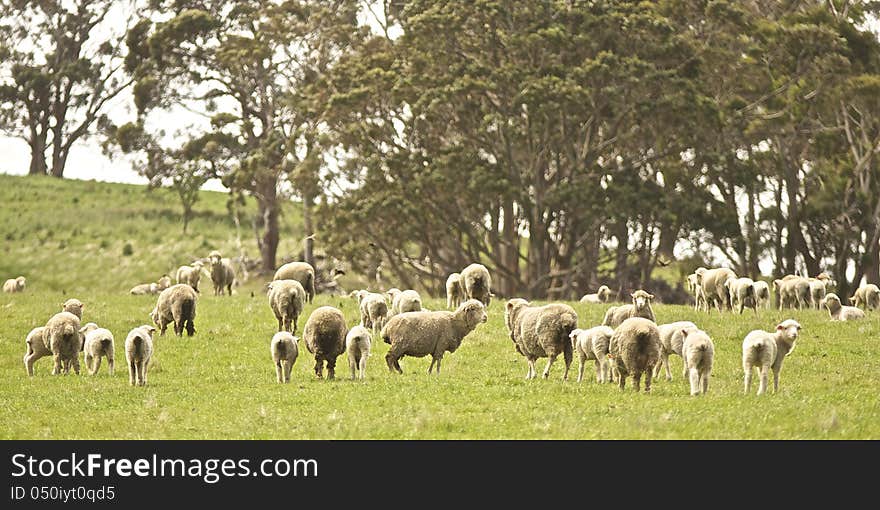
603 295
763 351
406 301
303 272
420 334
671 342
742 293
63 339
697 290
817 292
98 343
762 294
284 353
477 283
222 273
593 344
357 344
635 348
36 347
287 299
138 351
714 289
74 306
839 312
698 352
541 332
793 291
640 307
324 335
454 291
867 296
177 305
14 285
374 310
190 275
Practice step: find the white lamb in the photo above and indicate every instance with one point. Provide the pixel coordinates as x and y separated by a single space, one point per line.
138 351
98 343
593 344
671 342
357 344
763 350
284 350
698 352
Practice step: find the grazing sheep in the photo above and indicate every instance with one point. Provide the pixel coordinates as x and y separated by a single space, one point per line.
792 291
839 312
541 332
303 272
98 343
454 291
817 292
138 351
357 345
191 274
715 291
222 273
73 306
867 296
603 295
593 344
144 288
635 349
406 301
284 353
742 293
13 285
287 299
697 290
163 283
373 308
64 341
419 334
176 304
764 350
324 335
36 348
762 294
640 307
477 283
671 341
698 352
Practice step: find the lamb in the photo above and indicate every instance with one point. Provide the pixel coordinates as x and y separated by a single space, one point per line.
762 294
477 283
36 348
541 332
98 343
593 344
742 293
817 292
640 307
406 301
284 353
697 290
324 335
287 299
792 291
144 288
603 295
698 352
867 296
713 283
176 304
839 312
14 285
763 350
73 306
191 274
222 273
671 342
454 291
635 349
163 283
373 308
419 334
303 272
357 345
64 341
138 351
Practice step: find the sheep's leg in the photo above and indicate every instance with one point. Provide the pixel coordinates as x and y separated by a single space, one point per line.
111 365
278 372
582 360
131 372
621 380
704 380
142 372
550 361
319 368
775 380
439 359
762 387
362 367
280 324
747 378
56 359
288 366
531 373
93 364
29 360
567 356
431 366
190 327
695 381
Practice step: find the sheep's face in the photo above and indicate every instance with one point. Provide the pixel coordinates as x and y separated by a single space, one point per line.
88 327
20 281
198 264
789 328
510 311
831 302
474 312
641 299
73 306
604 292
149 330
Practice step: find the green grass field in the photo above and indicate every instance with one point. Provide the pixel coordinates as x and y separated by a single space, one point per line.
220 384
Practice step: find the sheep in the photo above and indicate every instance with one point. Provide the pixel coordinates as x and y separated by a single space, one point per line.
454 291
191 274
284 351
603 295
635 349
541 332
817 292
763 351
138 351
176 304
73 306
303 272
13 285
419 334
287 299
698 352
357 345
762 294
222 273
324 335
640 307
163 283
64 341
792 291
373 309
406 301
742 293
36 348
713 282
671 341
98 343
593 344
477 283
697 290
144 288
839 312
867 296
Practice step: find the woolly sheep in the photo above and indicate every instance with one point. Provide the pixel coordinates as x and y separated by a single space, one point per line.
817 292
64 341
762 294
176 304
190 274
284 351
222 273
303 272
406 301
357 344
477 283
671 341
698 352
13 285
144 288
742 293
763 351
420 334
867 296
839 312
98 343
73 306
454 291
792 291
163 283
593 344
138 351
697 290
324 335
541 332
640 307
601 296
373 309
36 348
713 282
635 349
287 299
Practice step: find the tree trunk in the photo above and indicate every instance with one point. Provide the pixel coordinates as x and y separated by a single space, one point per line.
508 286
59 161
38 157
267 203
752 269
620 269
309 230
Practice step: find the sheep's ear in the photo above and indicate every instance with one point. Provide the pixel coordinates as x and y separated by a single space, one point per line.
779 327
82 330
650 296
632 295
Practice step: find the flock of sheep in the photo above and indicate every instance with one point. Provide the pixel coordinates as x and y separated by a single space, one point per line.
628 343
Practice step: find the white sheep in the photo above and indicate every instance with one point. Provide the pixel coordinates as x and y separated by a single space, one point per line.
13 285
63 339
358 342
698 353
640 307
284 351
406 301
792 291
176 305
144 289
714 289
138 351
867 296
374 310
635 349
454 290
671 342
477 283
191 274
287 299
817 292
222 273
602 295
303 272
839 312
742 293
697 290
36 347
762 294
98 343
763 351
593 344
